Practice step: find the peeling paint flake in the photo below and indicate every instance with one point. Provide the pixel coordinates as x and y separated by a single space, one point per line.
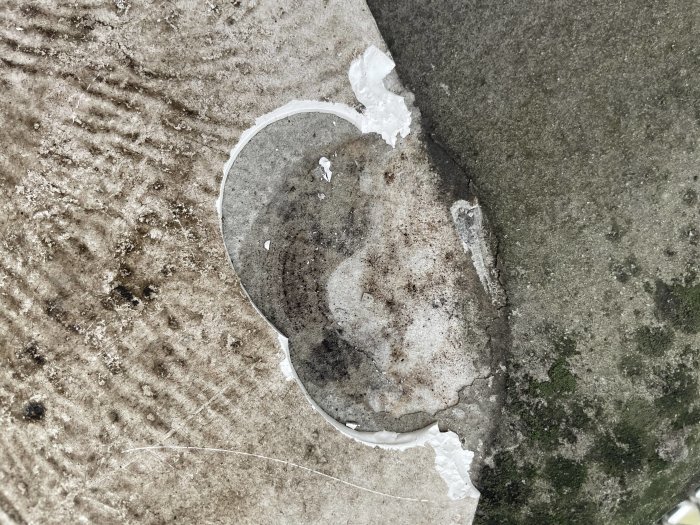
386 112
326 165
469 222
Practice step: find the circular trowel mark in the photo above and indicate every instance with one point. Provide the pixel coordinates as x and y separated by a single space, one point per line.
367 289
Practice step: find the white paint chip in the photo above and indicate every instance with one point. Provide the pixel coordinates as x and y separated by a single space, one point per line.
386 112
267 245
326 165
685 514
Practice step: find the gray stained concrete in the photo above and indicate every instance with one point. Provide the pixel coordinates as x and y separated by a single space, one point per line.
578 123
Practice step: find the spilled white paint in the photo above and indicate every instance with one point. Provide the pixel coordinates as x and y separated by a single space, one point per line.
386 114
452 462
326 165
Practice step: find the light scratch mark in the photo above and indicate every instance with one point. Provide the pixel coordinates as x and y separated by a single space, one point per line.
193 414
279 461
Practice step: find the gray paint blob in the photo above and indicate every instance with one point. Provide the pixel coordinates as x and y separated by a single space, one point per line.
365 275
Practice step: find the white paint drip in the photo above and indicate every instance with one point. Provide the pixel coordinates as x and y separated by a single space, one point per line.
386 114
326 165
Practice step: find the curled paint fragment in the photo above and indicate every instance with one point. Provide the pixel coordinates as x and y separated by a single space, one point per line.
386 114
326 165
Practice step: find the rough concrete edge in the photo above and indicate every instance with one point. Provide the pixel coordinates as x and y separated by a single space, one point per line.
452 462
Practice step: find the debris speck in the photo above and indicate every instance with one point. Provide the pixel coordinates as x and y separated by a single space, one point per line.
267 245
34 411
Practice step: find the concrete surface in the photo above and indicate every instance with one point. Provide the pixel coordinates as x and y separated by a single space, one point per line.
578 123
121 323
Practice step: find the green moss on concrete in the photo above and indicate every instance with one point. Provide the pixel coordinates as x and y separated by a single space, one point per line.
565 475
540 483
679 303
617 459
632 366
652 340
504 487
548 415
679 392
544 424
564 345
574 513
561 380
687 418
661 491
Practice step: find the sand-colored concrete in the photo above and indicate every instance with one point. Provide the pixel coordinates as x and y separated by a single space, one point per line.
121 323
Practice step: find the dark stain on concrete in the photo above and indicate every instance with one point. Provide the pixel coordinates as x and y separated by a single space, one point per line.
34 411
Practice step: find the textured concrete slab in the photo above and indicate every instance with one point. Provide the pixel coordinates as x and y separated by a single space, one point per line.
122 326
579 124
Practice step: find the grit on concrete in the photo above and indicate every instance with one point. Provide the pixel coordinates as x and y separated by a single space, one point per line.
121 323
579 124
